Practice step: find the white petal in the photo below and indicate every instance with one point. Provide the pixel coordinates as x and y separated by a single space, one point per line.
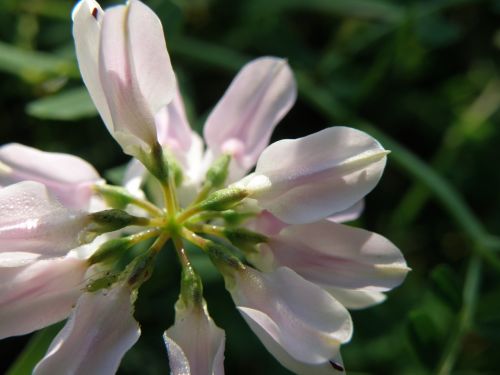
336 255
350 214
195 344
135 173
33 221
68 177
307 179
242 122
96 336
38 294
356 298
87 20
280 303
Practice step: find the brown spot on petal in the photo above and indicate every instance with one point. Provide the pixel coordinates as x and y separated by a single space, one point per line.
94 13
336 366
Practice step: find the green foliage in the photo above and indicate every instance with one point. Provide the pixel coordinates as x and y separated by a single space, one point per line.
419 75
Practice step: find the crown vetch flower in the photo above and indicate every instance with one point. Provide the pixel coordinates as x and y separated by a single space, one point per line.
66 235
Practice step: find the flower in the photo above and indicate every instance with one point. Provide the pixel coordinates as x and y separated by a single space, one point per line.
67 235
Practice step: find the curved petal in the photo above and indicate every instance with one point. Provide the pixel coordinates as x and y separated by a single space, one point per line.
98 333
356 298
297 367
350 214
336 255
68 177
242 122
195 344
308 179
33 221
87 20
38 294
279 303
135 73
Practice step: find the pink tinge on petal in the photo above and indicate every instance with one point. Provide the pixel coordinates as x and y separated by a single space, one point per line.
68 177
173 126
98 333
279 303
38 294
336 255
195 344
34 221
350 214
266 223
307 179
135 74
242 122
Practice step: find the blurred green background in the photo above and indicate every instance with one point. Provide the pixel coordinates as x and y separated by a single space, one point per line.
421 76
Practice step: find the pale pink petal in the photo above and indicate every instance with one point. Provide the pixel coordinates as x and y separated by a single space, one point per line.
97 334
68 177
135 74
332 254
149 60
173 126
87 20
33 220
195 344
331 367
307 179
266 223
300 317
242 122
38 294
133 122
356 298
350 214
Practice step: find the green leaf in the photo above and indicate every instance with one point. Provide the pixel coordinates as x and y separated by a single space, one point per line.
33 66
34 351
71 104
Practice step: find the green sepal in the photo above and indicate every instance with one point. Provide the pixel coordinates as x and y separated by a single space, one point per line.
217 173
140 269
222 258
191 287
243 238
224 199
108 221
114 196
111 250
103 282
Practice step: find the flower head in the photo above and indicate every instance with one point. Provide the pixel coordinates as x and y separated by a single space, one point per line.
69 239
